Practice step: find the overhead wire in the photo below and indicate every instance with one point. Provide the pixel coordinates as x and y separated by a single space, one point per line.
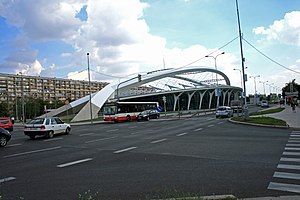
269 58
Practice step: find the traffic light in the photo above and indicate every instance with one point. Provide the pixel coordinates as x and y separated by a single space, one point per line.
139 77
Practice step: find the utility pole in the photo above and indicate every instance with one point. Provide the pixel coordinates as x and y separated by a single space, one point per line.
246 114
88 63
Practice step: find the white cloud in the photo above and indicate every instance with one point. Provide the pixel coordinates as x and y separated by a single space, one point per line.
286 30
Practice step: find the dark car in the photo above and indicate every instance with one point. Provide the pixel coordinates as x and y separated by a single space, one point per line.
4 137
6 123
148 114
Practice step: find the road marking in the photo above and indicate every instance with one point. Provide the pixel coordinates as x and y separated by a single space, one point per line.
296 132
292 138
284 187
112 130
281 166
124 150
290 159
85 134
7 179
74 163
13 145
291 149
291 153
30 152
294 141
181 134
198 129
133 127
210 125
220 122
157 141
52 139
101 139
286 175
295 135
292 145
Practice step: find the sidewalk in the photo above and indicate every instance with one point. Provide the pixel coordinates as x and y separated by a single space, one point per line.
291 118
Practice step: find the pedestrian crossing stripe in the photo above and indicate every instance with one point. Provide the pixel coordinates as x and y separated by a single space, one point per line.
286 175
292 149
292 145
290 159
284 187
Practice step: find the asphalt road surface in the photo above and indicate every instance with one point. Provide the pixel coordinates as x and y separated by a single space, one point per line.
140 160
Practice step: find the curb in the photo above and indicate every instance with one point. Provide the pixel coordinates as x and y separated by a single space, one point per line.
260 125
213 197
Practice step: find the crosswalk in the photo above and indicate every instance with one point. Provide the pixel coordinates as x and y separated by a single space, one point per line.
287 175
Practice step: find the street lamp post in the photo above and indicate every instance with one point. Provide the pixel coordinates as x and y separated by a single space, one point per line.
215 59
241 76
263 82
22 93
88 63
255 92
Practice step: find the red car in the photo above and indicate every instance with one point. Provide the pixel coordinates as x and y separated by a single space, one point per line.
6 123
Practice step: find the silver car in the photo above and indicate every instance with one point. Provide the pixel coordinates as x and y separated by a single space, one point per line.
46 127
224 111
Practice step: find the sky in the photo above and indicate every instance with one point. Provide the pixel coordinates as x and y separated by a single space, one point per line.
127 37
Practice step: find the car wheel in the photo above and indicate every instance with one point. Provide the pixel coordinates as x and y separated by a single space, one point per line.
148 118
50 134
128 118
32 137
3 141
67 131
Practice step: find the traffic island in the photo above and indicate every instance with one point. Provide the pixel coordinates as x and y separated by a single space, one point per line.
260 121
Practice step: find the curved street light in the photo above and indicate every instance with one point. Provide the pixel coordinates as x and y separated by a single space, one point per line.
241 76
215 58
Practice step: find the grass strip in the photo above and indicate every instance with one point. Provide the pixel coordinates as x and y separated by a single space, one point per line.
261 120
268 111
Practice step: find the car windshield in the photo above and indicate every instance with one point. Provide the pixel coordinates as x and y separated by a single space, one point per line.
4 121
37 121
145 112
222 108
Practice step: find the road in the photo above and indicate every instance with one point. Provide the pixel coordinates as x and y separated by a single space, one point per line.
138 160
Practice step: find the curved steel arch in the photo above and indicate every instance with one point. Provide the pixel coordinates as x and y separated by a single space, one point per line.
170 73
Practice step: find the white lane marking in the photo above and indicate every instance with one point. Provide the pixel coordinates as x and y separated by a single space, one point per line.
210 125
290 159
74 163
133 127
198 129
220 122
101 139
291 153
294 141
13 145
284 187
85 134
112 130
292 149
157 141
286 175
282 166
181 134
7 179
292 145
295 132
52 139
123 150
30 152
295 135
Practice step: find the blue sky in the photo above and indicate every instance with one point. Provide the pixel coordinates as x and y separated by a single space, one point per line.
51 38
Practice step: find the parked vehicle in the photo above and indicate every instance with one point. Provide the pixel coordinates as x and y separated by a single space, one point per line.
236 105
48 127
224 111
5 136
148 114
6 123
264 103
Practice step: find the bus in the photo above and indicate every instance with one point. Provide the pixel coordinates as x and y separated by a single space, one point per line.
126 111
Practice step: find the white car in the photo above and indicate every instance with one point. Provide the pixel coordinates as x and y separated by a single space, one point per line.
46 127
224 111
264 103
